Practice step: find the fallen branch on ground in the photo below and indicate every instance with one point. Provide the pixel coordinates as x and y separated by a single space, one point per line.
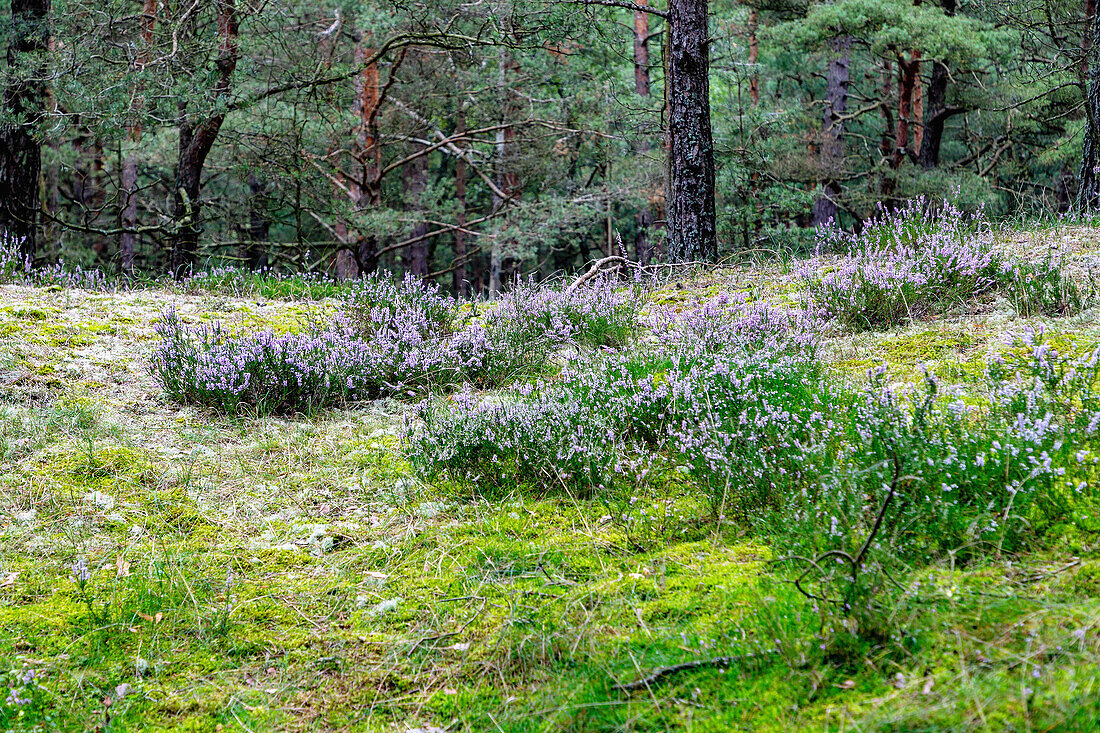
662 672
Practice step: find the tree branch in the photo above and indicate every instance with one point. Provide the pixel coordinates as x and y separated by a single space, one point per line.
623 4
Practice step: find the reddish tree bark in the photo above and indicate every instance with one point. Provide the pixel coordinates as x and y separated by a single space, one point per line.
641 51
918 110
908 79
197 138
643 219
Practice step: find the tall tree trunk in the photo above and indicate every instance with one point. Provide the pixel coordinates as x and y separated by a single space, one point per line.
832 148
1088 195
196 140
507 177
415 180
461 284
692 232
644 216
908 80
259 223
24 100
641 51
918 112
886 141
938 111
127 244
754 55
367 193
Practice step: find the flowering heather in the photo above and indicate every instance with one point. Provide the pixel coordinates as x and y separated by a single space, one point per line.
378 304
276 373
1042 288
716 407
16 268
393 338
733 398
598 314
904 264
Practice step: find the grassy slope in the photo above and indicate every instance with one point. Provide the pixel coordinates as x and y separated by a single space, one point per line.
360 599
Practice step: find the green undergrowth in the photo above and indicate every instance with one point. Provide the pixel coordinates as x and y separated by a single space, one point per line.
170 568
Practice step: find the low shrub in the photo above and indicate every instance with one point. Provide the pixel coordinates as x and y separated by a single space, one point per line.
377 305
391 339
16 268
904 264
598 314
1042 288
734 398
264 370
730 404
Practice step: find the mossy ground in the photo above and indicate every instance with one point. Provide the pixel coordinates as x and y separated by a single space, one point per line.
292 574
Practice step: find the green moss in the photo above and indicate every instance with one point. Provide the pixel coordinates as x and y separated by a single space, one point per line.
30 313
927 346
174 510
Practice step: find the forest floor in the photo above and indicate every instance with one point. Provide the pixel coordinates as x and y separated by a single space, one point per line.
263 574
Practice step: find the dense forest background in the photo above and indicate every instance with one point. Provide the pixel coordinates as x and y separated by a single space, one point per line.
473 141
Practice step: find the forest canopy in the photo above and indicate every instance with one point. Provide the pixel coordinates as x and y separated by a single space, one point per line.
471 143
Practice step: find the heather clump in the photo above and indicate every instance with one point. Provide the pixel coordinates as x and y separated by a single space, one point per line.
598 314
733 411
268 372
400 339
17 268
321 366
732 398
1043 288
379 305
980 469
904 264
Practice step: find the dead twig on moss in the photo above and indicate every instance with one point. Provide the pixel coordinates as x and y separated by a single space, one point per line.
661 672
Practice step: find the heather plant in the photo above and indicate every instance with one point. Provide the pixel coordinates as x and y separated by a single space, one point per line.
321 366
16 268
904 264
28 705
600 313
1042 288
739 403
734 399
377 304
982 471
266 371
392 338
